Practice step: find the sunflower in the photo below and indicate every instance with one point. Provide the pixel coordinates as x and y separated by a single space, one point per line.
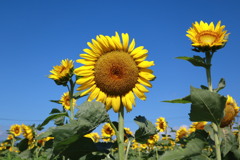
16 130
107 132
62 73
161 124
65 101
27 132
94 136
182 132
230 112
113 71
197 125
153 139
205 36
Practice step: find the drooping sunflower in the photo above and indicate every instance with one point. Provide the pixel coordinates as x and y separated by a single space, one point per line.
113 71
27 132
65 101
161 124
230 112
197 125
94 136
205 36
182 132
62 73
16 130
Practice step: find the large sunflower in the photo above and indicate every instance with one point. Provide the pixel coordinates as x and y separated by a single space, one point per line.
206 35
113 70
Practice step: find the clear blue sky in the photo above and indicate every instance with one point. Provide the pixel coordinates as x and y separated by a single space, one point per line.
36 35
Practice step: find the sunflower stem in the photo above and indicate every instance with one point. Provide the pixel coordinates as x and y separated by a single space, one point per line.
121 133
71 90
210 88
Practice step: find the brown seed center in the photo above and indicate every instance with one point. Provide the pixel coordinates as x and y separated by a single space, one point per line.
116 73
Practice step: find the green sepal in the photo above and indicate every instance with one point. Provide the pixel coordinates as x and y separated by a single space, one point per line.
195 60
183 100
206 106
146 129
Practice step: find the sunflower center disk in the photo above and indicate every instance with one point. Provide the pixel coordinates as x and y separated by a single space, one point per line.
207 37
116 73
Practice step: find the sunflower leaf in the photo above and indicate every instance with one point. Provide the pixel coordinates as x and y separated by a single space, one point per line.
206 106
52 117
183 100
193 148
195 60
146 129
221 85
228 140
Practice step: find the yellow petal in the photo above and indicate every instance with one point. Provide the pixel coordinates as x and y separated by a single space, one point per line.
86 85
127 103
144 82
146 64
108 102
139 94
116 103
101 97
131 46
130 96
83 68
125 39
146 75
94 94
86 62
84 79
88 57
90 52
111 43
141 88
136 50
87 91
140 53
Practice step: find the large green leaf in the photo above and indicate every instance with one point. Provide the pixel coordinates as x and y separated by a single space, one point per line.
52 117
90 115
228 140
193 148
195 60
206 106
146 129
183 100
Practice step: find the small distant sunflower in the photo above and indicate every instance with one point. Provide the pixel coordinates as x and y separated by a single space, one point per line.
65 101
62 73
204 35
230 112
161 124
153 139
197 125
182 132
113 70
94 136
107 131
16 130
27 132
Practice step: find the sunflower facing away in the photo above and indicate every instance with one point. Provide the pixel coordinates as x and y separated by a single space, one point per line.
182 132
230 112
197 125
206 35
113 71
161 124
62 73
94 136
16 130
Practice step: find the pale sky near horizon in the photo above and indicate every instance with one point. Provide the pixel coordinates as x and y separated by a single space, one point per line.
37 35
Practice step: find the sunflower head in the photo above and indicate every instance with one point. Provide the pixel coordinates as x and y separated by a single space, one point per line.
230 112
153 139
94 136
182 132
65 101
61 74
113 71
197 126
16 130
207 37
161 124
27 132
107 131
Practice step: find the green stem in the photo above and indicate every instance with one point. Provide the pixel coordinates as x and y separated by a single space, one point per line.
71 90
214 125
128 147
217 142
121 133
156 149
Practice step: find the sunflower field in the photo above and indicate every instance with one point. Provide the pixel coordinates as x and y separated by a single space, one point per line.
112 74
